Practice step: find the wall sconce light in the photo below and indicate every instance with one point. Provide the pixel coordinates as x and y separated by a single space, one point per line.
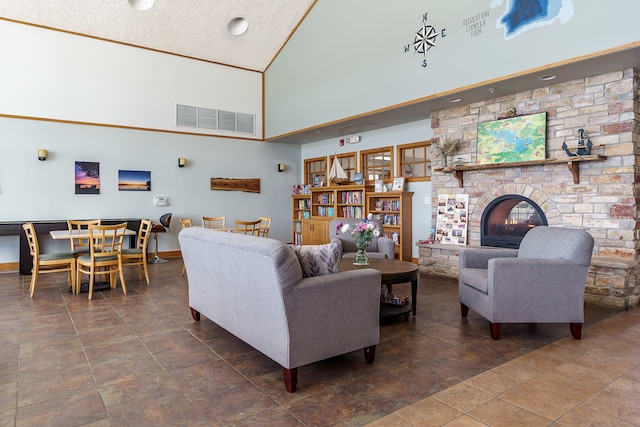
42 154
281 167
181 162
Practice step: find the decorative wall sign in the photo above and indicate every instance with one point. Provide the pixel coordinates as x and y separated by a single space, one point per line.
87 177
451 225
514 139
424 39
134 180
525 15
251 185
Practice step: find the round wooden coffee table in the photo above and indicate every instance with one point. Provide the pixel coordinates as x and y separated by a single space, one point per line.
393 272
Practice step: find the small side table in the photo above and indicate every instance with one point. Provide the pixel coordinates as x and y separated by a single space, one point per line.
393 272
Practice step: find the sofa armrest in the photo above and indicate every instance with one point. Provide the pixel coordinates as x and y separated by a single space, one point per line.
511 281
333 314
479 258
338 242
387 246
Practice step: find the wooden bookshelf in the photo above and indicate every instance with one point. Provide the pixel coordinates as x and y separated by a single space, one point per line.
311 213
394 210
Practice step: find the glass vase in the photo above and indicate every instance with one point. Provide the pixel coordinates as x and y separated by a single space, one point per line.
361 256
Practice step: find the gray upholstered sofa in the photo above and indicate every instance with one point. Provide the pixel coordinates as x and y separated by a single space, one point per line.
254 288
541 282
380 247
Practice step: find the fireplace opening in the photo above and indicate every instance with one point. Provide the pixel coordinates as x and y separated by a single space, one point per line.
507 219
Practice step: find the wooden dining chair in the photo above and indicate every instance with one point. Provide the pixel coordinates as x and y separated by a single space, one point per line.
80 246
138 256
105 252
265 224
214 221
48 263
248 227
186 223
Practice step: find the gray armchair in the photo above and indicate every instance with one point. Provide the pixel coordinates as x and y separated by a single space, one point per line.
541 282
380 247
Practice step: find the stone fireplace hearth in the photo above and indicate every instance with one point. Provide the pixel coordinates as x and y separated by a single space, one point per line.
601 198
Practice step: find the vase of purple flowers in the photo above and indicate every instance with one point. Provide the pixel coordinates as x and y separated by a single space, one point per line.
363 234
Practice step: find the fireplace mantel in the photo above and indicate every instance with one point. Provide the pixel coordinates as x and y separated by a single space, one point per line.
572 162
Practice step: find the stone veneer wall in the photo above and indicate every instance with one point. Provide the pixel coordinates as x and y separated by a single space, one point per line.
604 202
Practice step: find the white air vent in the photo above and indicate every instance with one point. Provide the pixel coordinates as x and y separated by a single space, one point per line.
246 123
208 118
227 120
186 116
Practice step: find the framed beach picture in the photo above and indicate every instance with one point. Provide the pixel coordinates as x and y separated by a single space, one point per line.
134 180
513 139
87 177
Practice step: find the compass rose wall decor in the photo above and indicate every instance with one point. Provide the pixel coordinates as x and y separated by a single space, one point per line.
424 39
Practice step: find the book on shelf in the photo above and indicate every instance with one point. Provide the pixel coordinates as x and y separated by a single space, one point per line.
301 189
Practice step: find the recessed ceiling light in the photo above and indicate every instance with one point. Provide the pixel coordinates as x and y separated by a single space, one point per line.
492 89
141 5
547 77
454 99
237 26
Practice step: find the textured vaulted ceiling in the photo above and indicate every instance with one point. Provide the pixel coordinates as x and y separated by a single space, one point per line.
193 28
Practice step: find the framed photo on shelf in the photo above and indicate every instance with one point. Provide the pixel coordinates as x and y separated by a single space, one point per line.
398 184
357 178
378 186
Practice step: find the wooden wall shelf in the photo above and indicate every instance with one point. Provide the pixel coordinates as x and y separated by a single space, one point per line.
572 162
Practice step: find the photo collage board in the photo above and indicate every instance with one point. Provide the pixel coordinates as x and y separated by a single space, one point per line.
451 220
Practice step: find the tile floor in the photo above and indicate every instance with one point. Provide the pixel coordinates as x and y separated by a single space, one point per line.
140 360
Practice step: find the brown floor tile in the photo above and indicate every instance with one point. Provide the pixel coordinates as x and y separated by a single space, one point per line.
584 417
462 397
498 413
429 412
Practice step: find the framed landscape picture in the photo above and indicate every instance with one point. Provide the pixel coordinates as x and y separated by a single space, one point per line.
514 139
134 180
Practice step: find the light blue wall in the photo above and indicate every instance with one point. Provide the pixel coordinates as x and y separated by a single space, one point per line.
391 136
348 57
35 190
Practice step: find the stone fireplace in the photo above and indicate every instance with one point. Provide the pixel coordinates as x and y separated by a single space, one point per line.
599 196
507 219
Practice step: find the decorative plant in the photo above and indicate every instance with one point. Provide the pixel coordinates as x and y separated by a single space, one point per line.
362 234
445 148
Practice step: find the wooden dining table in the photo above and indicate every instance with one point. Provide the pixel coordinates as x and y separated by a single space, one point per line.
84 234
80 234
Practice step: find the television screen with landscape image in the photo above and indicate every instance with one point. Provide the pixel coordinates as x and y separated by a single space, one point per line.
514 139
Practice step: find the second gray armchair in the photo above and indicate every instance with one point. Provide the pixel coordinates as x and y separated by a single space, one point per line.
541 282
380 247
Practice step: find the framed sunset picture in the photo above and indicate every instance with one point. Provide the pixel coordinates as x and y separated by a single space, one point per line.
134 180
87 177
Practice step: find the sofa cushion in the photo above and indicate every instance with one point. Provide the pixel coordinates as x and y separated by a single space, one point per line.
317 260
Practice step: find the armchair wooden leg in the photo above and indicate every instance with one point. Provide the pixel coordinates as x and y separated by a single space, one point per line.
495 330
195 314
464 310
370 353
290 378
576 330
